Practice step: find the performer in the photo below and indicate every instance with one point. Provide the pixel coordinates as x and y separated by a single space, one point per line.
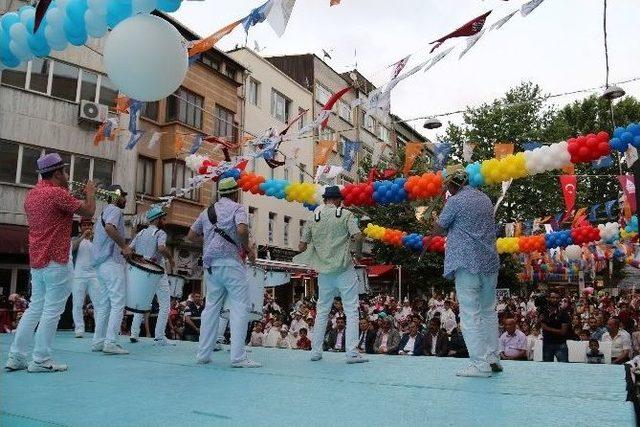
109 251
472 259
225 234
325 246
49 207
151 243
84 274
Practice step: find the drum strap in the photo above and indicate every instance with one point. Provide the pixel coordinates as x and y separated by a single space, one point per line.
338 214
213 218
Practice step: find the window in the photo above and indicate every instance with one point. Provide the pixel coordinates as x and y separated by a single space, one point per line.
81 168
175 176
303 224
287 221
253 213
88 86
384 134
322 94
344 111
286 173
150 110
108 92
223 125
303 172
39 81
28 173
8 161
301 121
326 134
15 76
272 225
369 123
230 72
280 106
210 61
145 175
253 91
368 151
186 107
64 83
102 172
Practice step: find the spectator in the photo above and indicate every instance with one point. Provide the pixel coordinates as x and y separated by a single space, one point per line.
593 354
635 342
283 339
457 346
297 323
311 321
192 314
335 339
387 338
19 303
513 342
411 343
448 317
555 329
620 341
436 341
367 336
272 335
596 329
303 343
585 335
257 336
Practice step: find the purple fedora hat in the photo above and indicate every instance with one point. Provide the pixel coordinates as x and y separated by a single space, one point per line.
50 162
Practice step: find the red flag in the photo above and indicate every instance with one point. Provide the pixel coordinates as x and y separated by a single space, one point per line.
569 185
331 102
469 29
629 189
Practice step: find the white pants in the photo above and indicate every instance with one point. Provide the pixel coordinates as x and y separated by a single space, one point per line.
330 285
230 280
110 309
164 300
82 285
477 297
222 328
50 288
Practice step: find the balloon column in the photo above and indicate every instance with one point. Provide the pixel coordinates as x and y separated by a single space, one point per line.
413 241
623 137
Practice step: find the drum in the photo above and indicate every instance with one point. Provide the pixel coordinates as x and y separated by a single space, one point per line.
143 277
255 278
363 279
176 284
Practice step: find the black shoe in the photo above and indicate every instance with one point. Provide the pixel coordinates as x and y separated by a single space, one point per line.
496 367
133 339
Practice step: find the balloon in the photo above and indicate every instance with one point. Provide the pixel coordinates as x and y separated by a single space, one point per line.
118 11
137 49
96 23
169 5
99 7
573 252
19 43
144 6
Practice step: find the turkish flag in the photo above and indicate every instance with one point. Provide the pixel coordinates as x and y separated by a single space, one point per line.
569 185
469 29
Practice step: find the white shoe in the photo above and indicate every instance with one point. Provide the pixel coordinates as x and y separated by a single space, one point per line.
79 334
473 371
246 363
15 362
163 342
112 348
316 357
218 347
97 346
46 366
356 359
203 361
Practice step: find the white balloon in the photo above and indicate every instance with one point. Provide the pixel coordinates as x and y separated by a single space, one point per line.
56 39
573 252
26 15
145 58
96 24
19 44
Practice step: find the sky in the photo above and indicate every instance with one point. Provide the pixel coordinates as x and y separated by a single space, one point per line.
558 46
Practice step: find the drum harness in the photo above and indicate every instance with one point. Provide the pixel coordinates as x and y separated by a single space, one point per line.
316 214
213 219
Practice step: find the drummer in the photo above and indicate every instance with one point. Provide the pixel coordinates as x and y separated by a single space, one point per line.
84 274
151 243
110 250
224 232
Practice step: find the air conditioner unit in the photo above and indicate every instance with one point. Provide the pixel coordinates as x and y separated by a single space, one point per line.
93 112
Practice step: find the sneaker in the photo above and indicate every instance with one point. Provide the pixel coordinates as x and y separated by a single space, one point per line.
203 361
133 339
97 346
16 363
472 371
79 334
496 367
356 359
112 348
46 366
217 347
246 363
163 342
316 357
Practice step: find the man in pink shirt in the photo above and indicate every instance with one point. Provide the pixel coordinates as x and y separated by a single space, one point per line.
513 342
49 207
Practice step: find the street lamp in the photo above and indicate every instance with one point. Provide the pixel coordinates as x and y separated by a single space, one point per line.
432 123
611 92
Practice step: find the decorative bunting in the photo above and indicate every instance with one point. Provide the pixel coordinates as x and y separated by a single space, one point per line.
207 43
134 139
399 66
323 150
499 23
257 15
433 61
411 153
530 146
327 172
334 2
442 152
530 6
505 188
197 143
279 15
629 189
593 213
467 151
351 149
469 29
502 150
155 138
608 207
602 163
569 185
471 42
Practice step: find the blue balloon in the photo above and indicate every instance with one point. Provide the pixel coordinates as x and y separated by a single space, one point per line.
618 131
169 5
627 137
618 144
7 20
636 141
634 128
118 11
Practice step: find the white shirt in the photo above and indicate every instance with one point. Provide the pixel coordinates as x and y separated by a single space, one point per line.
296 325
147 241
339 339
620 343
84 267
408 348
448 320
257 339
434 342
383 341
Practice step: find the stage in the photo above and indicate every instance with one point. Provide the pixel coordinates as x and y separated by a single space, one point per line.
163 386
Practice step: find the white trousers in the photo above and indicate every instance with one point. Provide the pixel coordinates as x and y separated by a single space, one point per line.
164 300
230 280
477 297
330 285
50 288
82 285
110 309
222 328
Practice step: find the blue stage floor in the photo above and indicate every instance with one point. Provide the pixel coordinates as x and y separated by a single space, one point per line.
164 387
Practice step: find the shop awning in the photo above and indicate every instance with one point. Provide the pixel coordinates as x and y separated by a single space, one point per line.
379 270
15 239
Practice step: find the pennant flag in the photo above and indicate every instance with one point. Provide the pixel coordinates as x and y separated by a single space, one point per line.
530 146
135 108
569 169
207 43
569 185
602 163
505 187
351 149
279 15
257 15
122 104
327 172
99 136
323 150
469 29
155 138
631 155
593 213
629 189
134 139
579 217
197 143
292 121
331 102
528 227
467 151
502 149
555 223
399 66
437 59
334 2
471 42
530 6
442 152
499 23
608 207
376 175
411 152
